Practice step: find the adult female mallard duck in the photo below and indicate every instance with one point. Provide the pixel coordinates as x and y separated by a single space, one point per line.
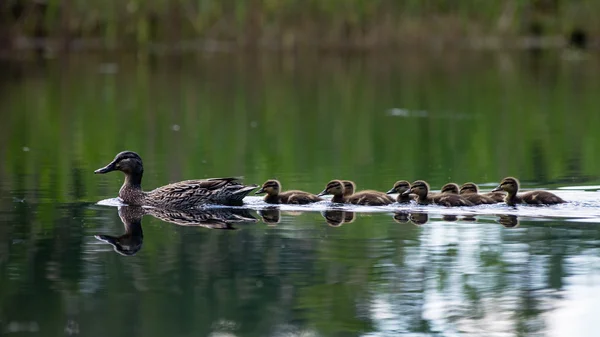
470 191
274 195
467 192
180 195
511 186
400 187
421 189
371 198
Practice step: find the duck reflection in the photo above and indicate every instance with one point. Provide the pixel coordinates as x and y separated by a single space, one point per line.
401 217
449 217
334 218
508 221
130 242
419 218
270 216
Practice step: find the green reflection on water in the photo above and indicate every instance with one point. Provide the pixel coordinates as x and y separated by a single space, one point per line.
303 120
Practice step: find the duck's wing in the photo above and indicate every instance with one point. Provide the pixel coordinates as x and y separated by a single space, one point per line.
218 190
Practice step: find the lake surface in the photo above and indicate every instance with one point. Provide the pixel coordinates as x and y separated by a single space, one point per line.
300 270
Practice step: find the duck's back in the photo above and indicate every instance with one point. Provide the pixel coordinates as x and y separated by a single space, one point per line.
298 197
190 193
540 198
450 200
496 196
371 198
478 199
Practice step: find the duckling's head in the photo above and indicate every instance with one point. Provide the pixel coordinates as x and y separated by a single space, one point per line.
349 187
271 187
467 188
450 188
418 187
509 184
334 187
127 162
400 187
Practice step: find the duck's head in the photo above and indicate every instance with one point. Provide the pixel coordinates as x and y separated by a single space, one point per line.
400 187
349 187
467 188
450 188
334 187
418 187
127 162
509 184
271 187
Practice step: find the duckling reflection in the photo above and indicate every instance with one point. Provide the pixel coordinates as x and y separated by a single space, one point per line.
469 218
349 216
334 217
449 217
509 221
270 216
130 242
401 217
419 218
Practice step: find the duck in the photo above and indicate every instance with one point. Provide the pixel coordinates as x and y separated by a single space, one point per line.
180 195
421 189
511 186
400 187
365 197
470 191
274 195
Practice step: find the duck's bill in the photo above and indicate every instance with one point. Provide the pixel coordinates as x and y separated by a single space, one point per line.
108 168
497 189
407 192
324 192
392 191
262 190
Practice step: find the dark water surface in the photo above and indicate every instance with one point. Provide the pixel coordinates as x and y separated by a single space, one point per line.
72 262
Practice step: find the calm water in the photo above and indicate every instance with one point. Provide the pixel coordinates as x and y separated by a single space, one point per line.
72 262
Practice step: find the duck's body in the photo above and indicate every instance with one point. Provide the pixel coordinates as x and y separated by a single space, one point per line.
400 187
470 191
274 195
366 197
511 186
421 189
181 195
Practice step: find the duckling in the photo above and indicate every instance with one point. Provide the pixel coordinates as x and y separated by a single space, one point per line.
335 188
400 187
180 195
470 192
511 186
421 189
349 187
452 188
371 198
274 195
365 197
